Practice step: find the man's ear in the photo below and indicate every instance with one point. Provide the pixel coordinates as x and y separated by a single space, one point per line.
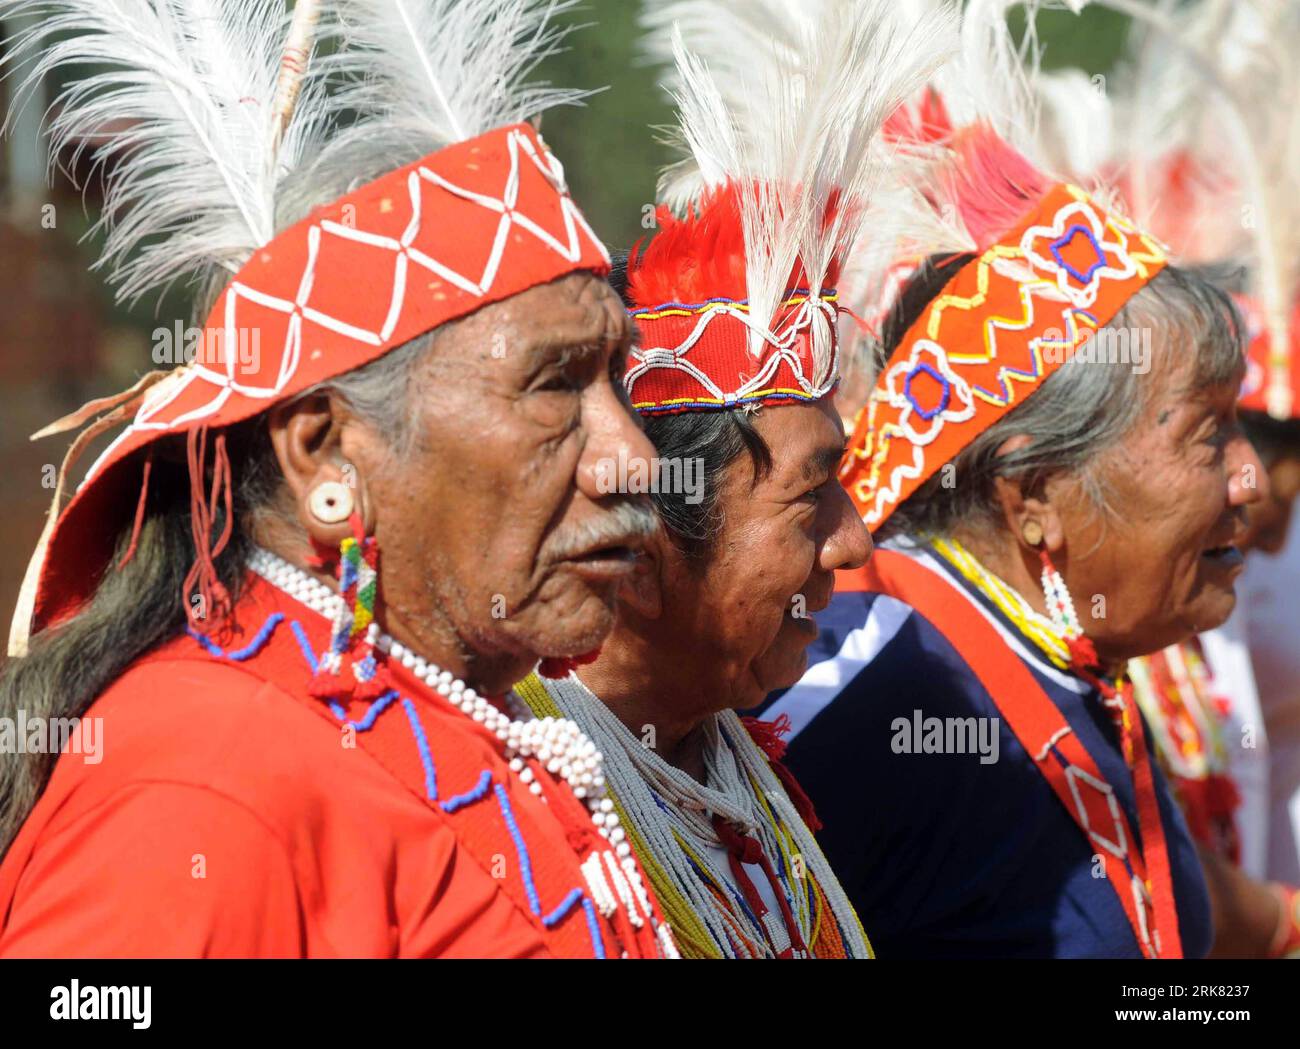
1033 517
306 436
643 592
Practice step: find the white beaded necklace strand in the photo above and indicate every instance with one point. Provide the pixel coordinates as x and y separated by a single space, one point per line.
557 743
736 774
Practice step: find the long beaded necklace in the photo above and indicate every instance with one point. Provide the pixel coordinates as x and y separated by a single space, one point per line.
681 825
558 744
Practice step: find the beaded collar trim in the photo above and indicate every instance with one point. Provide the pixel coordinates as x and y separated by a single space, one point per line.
556 743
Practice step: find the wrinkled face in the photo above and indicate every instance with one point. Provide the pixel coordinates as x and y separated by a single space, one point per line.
1269 520
744 616
495 536
1162 567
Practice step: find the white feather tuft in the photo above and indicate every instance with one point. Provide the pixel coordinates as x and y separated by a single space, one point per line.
187 90
1218 84
795 123
993 80
423 74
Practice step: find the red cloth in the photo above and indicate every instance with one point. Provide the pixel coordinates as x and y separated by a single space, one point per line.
306 847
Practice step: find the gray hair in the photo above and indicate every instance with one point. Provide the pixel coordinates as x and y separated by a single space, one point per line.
1084 409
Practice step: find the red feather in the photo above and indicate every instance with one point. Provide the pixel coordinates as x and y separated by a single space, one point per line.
700 256
992 185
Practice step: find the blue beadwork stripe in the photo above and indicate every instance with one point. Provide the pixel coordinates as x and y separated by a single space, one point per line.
525 866
451 805
593 927
349 576
251 649
212 648
422 744
373 711
304 644
556 916
259 640
459 801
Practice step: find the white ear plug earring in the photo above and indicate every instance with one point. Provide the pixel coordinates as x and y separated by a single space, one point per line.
331 502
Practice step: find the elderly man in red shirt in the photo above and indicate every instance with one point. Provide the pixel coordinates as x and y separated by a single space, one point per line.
309 747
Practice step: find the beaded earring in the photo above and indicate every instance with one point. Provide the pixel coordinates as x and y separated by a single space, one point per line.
1117 698
1060 607
350 634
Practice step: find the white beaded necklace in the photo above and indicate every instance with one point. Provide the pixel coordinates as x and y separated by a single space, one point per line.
557 743
737 772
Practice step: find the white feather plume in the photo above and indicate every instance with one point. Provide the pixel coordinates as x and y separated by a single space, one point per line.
187 89
992 76
1078 123
1218 82
794 121
989 80
727 37
422 74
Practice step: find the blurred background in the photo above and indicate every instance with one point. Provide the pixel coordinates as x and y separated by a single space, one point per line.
63 340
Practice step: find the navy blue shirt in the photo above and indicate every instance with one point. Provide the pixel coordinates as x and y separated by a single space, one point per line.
942 854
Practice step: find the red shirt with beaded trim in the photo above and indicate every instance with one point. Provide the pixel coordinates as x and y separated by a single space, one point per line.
231 815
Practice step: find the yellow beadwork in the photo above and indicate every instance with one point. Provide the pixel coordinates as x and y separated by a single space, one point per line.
1034 626
709 307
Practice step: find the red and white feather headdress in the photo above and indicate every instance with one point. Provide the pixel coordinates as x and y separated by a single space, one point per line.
780 108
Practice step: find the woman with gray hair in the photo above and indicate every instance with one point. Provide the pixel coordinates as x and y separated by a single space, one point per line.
1051 465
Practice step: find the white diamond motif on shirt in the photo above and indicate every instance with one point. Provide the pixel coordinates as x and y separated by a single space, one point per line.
1117 847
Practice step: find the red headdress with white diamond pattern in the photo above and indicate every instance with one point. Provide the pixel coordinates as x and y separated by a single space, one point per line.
483 216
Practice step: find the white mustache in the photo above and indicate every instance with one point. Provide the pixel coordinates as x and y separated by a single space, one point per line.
627 523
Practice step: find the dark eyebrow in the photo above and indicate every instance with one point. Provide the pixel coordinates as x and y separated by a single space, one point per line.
824 462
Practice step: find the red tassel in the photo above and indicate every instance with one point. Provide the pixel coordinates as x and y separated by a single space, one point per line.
742 849
368 691
203 573
798 798
767 735
329 685
139 511
1083 654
